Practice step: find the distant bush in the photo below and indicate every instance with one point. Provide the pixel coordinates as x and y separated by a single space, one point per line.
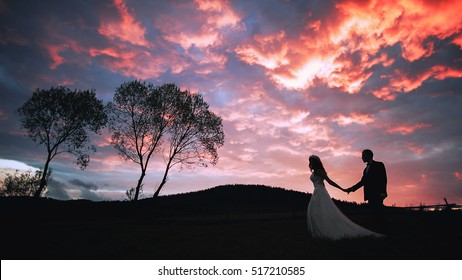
131 194
22 184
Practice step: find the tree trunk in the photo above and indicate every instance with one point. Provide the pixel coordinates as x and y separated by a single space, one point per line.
140 183
164 179
156 194
43 180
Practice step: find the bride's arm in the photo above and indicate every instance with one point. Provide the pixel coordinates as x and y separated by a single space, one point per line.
332 183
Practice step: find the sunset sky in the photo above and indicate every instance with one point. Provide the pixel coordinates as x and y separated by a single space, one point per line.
289 79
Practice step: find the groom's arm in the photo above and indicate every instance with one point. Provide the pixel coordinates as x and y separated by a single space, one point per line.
356 186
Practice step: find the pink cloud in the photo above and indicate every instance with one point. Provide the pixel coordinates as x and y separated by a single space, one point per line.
406 129
408 82
110 51
55 51
133 56
139 63
458 175
129 53
127 29
113 163
200 40
103 140
129 62
202 36
418 150
385 93
208 20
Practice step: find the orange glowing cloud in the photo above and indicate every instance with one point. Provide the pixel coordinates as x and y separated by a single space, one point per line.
354 118
127 29
270 51
406 82
351 83
441 72
304 75
362 28
444 20
458 41
411 22
221 13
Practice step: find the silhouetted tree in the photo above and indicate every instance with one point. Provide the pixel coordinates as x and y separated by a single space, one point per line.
138 119
194 135
130 194
59 119
23 184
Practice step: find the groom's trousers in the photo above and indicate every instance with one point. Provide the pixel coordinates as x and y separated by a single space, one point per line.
376 209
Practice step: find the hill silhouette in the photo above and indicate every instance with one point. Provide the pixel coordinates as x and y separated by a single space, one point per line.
235 199
224 222
226 199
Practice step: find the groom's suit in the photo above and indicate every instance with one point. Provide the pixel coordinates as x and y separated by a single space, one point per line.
374 181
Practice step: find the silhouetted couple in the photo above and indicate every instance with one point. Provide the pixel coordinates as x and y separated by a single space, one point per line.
325 220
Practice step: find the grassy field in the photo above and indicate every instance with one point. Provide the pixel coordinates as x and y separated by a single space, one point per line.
414 236
186 227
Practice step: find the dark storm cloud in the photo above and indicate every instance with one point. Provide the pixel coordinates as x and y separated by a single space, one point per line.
58 190
73 189
84 185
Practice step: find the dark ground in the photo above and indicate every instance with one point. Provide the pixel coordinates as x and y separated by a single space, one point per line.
226 225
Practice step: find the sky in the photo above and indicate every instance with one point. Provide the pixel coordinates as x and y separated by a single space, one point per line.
288 78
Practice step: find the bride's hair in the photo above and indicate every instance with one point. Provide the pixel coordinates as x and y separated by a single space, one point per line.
316 164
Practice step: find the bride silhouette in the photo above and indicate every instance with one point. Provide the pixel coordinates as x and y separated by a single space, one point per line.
325 220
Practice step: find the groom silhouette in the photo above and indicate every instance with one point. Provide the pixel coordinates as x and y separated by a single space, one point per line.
374 181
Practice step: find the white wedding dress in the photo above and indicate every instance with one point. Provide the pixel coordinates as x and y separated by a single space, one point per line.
325 220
